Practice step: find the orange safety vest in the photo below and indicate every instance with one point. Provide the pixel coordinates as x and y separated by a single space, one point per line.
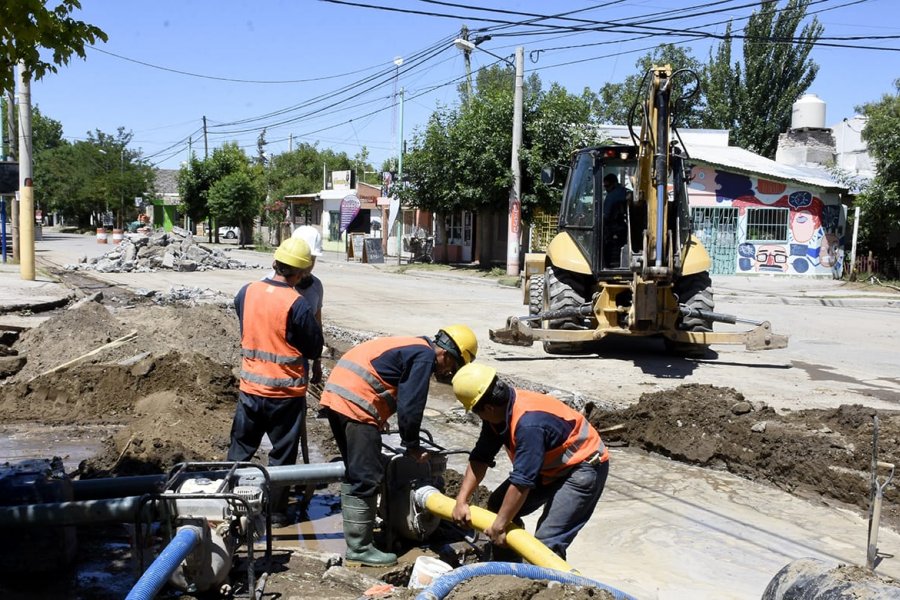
356 391
270 367
582 444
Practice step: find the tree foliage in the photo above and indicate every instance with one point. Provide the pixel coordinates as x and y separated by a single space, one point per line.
29 26
754 99
880 202
300 171
616 100
224 186
461 160
90 176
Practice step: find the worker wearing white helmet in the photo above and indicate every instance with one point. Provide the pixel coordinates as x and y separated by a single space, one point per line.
279 333
310 286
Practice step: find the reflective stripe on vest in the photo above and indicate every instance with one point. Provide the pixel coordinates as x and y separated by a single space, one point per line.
583 441
354 388
270 366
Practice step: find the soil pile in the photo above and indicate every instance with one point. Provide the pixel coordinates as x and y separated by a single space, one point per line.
818 454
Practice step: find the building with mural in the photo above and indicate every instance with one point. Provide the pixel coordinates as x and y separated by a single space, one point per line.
755 215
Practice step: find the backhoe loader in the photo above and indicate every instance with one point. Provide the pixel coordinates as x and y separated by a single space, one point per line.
624 261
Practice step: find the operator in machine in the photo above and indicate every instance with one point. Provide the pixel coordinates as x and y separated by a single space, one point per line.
279 335
369 384
558 460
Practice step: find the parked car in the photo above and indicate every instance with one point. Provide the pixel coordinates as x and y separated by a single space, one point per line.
229 233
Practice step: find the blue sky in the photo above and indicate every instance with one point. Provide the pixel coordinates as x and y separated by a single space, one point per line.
168 63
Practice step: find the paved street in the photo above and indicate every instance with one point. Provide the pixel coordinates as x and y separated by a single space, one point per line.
663 529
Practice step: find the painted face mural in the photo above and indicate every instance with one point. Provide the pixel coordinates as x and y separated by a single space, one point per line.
803 225
771 259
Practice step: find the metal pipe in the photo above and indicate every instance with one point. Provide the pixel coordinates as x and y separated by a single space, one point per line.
124 509
528 546
113 487
109 510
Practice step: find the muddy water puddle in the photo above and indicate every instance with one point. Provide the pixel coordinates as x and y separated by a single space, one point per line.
72 443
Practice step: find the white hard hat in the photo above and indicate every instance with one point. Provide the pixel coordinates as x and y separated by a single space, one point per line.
311 236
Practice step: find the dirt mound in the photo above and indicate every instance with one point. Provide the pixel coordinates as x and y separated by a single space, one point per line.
205 329
811 453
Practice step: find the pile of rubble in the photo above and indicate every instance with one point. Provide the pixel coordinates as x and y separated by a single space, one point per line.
175 250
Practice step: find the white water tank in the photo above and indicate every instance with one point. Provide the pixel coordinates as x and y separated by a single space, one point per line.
808 113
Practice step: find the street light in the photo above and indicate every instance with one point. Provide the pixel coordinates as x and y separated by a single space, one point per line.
514 221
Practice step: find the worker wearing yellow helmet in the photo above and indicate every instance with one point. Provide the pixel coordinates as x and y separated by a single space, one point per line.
370 383
558 460
279 333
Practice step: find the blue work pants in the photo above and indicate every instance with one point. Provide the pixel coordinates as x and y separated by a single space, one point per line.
282 419
568 502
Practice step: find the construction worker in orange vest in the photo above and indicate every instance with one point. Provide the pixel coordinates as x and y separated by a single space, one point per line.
558 460
369 384
279 334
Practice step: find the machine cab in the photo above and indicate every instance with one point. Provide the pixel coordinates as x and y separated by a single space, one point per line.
595 206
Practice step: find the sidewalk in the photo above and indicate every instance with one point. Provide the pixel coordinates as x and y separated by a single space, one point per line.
17 294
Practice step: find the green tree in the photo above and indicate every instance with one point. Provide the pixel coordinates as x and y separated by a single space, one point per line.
232 202
461 159
88 177
754 100
28 27
615 100
235 198
880 202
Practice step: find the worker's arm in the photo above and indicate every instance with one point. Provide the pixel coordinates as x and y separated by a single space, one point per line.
412 394
475 472
530 445
512 503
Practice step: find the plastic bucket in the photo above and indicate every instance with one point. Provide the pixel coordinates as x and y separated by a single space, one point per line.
425 570
101 235
117 236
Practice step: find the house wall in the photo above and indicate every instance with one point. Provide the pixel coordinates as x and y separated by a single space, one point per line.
814 244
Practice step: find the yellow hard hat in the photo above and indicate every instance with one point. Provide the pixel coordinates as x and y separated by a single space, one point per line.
294 252
464 345
471 382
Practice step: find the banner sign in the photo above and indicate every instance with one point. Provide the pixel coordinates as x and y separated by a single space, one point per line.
349 210
340 180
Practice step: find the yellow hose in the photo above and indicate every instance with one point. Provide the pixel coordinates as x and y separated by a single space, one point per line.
517 538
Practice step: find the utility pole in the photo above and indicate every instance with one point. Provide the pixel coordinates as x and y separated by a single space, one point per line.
10 126
26 191
291 142
14 202
399 180
467 57
515 194
205 140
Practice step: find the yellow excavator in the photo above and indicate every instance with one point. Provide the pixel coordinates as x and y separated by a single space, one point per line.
625 261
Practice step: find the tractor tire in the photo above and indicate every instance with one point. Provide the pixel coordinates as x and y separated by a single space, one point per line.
694 291
535 295
559 294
